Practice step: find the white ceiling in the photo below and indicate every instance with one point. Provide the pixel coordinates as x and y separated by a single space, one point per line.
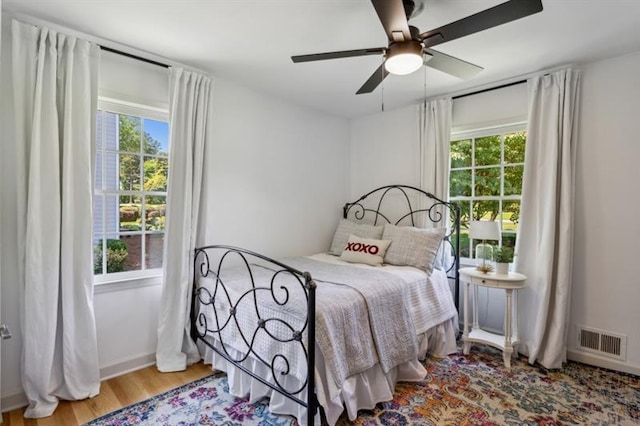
250 42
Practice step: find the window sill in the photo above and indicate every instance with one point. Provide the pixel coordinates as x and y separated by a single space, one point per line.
127 283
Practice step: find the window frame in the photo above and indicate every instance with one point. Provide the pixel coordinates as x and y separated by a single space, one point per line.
142 277
473 134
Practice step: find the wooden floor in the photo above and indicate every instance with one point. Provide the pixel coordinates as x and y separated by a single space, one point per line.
114 394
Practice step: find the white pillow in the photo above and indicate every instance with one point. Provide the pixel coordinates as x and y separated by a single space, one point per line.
444 258
346 228
412 246
363 250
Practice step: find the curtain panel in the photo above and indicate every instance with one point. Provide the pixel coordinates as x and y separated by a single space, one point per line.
55 82
189 121
434 121
434 130
545 238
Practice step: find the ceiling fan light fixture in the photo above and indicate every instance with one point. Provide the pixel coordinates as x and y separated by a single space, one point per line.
404 58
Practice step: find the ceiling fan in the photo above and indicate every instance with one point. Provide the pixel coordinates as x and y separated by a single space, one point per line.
408 49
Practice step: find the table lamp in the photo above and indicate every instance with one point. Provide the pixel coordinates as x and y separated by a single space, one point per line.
484 230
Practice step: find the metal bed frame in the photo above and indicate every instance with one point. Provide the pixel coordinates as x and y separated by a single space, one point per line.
368 209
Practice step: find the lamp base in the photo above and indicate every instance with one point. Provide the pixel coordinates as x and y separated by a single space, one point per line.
486 268
484 257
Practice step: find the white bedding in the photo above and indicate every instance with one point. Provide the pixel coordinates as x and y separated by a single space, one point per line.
435 318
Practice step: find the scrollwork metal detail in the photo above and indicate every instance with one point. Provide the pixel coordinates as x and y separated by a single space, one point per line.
436 212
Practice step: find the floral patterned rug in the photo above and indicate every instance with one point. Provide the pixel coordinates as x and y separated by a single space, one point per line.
458 390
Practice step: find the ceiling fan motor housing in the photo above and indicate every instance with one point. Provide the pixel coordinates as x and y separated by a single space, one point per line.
412 47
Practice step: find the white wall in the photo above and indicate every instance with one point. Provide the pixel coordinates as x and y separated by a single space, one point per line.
606 273
277 176
384 150
606 270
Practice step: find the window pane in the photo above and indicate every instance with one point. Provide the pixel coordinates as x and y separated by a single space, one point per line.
154 247
155 212
509 239
129 134
98 256
99 115
130 218
487 182
510 215
129 172
98 216
98 181
465 213
514 147
487 151
116 255
133 243
486 210
110 174
111 130
461 153
156 137
460 183
155 174
111 217
465 250
513 180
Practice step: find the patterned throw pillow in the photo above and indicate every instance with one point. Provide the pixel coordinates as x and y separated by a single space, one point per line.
346 228
363 250
412 246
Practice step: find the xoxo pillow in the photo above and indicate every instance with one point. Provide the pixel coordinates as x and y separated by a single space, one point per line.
363 250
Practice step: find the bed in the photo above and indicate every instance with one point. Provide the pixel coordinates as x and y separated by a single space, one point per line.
372 324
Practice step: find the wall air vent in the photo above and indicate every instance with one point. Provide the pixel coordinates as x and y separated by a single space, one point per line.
601 342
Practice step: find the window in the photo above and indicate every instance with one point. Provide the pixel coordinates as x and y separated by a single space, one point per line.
486 180
132 164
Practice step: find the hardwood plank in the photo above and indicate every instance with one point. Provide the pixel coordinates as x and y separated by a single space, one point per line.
128 390
114 394
101 404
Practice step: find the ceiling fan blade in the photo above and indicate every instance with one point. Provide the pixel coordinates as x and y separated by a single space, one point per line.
393 18
489 18
373 81
337 55
451 65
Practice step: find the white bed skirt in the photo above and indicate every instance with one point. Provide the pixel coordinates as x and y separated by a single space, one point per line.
361 391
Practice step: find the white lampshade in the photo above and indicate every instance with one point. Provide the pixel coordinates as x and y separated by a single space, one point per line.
484 230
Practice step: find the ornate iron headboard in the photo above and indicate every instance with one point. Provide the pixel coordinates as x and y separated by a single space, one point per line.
393 204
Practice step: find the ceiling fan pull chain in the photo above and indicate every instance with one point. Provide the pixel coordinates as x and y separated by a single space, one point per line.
424 70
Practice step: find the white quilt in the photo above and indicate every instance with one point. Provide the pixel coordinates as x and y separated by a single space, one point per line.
428 303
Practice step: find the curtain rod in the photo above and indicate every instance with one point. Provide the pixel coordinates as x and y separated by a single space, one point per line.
502 86
129 55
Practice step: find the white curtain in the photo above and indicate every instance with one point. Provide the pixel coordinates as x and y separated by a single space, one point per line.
189 117
55 98
435 135
545 240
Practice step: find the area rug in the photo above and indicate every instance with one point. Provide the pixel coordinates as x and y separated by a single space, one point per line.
459 390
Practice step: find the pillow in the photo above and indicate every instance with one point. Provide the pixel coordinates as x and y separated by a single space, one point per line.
346 228
363 250
444 258
412 246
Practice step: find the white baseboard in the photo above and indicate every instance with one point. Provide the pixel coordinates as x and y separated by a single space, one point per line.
598 361
127 366
19 400
13 402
